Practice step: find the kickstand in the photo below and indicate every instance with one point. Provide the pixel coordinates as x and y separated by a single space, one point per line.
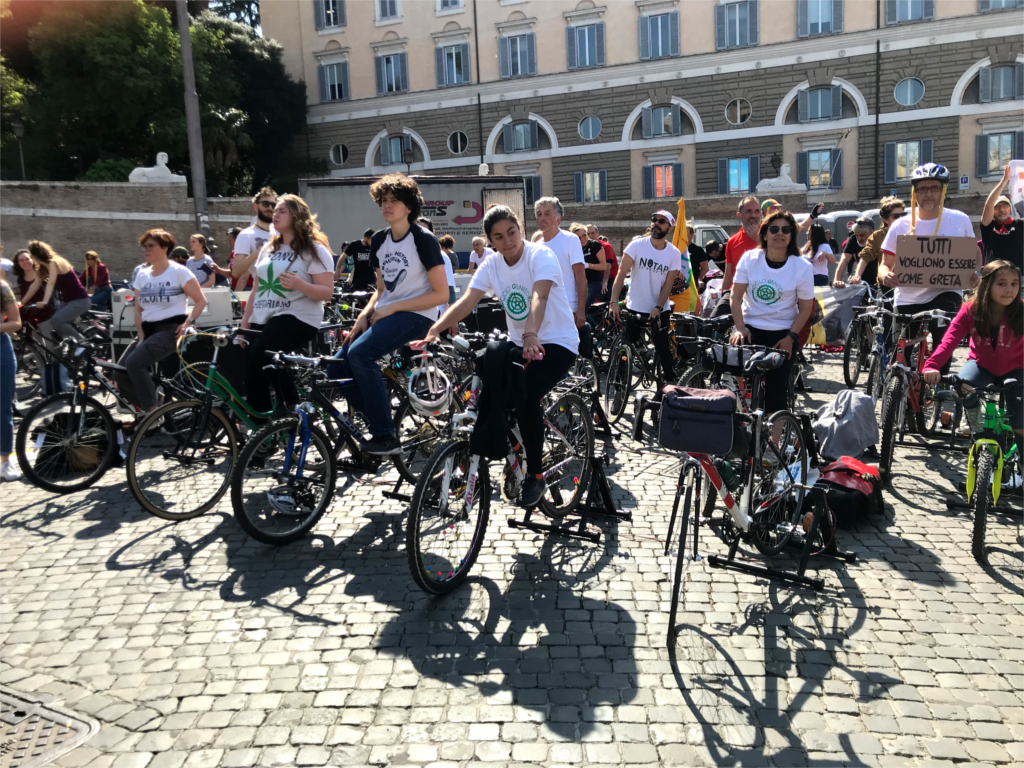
601 424
394 492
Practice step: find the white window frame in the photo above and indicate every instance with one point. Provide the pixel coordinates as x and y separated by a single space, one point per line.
749 108
584 34
591 187
739 163
1002 138
660 35
815 99
909 10
896 90
658 124
446 7
334 82
816 9
1000 5
663 176
332 14
521 135
1004 76
909 166
392 73
330 155
380 5
398 141
518 55
600 127
817 161
737 32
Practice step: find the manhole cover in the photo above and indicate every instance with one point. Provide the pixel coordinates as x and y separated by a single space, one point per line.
35 732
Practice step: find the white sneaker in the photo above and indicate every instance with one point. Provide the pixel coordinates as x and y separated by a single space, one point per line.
9 471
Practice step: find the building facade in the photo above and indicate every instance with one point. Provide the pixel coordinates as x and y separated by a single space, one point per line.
640 99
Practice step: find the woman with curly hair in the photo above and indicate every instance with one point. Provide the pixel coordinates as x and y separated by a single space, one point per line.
57 274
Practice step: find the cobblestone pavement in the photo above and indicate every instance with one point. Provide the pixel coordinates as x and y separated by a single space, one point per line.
195 646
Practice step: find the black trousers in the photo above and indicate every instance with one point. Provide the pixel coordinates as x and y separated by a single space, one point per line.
541 378
662 343
282 333
776 383
948 302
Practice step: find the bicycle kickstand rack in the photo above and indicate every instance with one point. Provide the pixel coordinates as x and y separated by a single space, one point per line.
601 424
394 492
598 502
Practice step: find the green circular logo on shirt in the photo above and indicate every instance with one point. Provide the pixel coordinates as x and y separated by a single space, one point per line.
516 302
768 292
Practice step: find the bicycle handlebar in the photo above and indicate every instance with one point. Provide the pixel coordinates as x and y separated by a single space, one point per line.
989 389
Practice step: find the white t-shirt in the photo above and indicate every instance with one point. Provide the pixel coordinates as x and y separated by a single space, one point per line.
649 272
475 258
449 270
567 249
514 288
249 241
270 299
770 301
6 265
404 265
162 296
819 262
954 224
201 269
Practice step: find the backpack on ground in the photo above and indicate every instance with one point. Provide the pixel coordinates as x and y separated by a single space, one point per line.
854 490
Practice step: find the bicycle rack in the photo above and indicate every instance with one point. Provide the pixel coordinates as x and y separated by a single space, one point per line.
394 492
601 424
598 502
641 405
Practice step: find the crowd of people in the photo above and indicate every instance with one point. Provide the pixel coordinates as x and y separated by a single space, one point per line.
545 283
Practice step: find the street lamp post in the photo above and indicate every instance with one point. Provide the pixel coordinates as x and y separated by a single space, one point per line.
19 133
195 133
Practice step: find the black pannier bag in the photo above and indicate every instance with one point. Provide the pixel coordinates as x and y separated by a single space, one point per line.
730 359
697 420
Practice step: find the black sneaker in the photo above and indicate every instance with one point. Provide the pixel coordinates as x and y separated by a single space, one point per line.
531 493
385 445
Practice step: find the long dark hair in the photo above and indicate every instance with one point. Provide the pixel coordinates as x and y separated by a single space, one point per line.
792 249
817 238
16 269
981 306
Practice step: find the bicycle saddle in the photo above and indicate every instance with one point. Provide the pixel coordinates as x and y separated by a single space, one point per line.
763 361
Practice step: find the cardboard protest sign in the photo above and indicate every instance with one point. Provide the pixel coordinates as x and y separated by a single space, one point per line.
1016 190
936 262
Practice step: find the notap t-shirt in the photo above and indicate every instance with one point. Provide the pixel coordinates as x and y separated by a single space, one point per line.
568 251
514 288
954 224
649 272
162 296
770 300
270 298
404 265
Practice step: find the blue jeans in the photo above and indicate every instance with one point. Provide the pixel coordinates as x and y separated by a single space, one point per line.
593 291
101 299
976 376
359 359
8 369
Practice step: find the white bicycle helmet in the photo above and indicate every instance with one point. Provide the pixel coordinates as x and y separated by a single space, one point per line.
430 391
930 171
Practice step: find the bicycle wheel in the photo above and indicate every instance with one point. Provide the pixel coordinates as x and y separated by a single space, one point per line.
29 381
853 353
447 519
617 382
778 495
689 479
66 443
586 369
873 386
181 459
419 436
698 377
276 505
894 402
929 418
567 451
984 467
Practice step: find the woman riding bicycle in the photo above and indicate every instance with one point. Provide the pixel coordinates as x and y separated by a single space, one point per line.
295 276
527 280
994 319
772 299
57 274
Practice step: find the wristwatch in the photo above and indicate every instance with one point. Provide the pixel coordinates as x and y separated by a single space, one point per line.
793 335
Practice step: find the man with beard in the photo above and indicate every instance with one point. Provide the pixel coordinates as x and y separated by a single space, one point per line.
654 264
250 242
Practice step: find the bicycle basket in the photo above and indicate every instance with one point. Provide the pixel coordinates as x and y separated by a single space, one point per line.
730 359
697 420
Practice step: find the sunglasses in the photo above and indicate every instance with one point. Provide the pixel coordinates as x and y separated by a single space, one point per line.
268 204
898 215
784 229
658 220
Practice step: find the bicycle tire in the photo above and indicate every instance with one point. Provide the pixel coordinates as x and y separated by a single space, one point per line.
586 369
30 369
853 354
772 510
580 429
984 468
419 437
186 427
892 399
928 418
698 376
428 568
873 387
689 480
618 380
91 454
270 441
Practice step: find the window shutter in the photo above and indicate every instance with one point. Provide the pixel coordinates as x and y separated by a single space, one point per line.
403 68
509 138
467 72
835 176
504 57
803 107
345 92
602 177
646 121
378 65
837 16
577 184
928 9
677 120
648 180
385 151
1018 145
442 78
342 18
720 40
536 184
889 176
981 156
891 14
803 19
755 172
984 85
752 21
531 53
677 179
534 135
984 5
321 75
599 29
570 48
927 149
645 38
803 173
673 33
1018 80
837 102
319 15
723 175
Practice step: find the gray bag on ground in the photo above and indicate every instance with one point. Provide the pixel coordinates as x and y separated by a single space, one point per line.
846 426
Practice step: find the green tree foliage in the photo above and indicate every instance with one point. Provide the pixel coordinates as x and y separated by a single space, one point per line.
109 170
245 11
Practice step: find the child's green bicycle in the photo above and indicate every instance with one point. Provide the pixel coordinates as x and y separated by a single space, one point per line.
993 451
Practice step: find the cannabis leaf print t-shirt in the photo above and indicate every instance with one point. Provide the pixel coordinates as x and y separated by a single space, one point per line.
270 298
404 265
162 296
770 301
